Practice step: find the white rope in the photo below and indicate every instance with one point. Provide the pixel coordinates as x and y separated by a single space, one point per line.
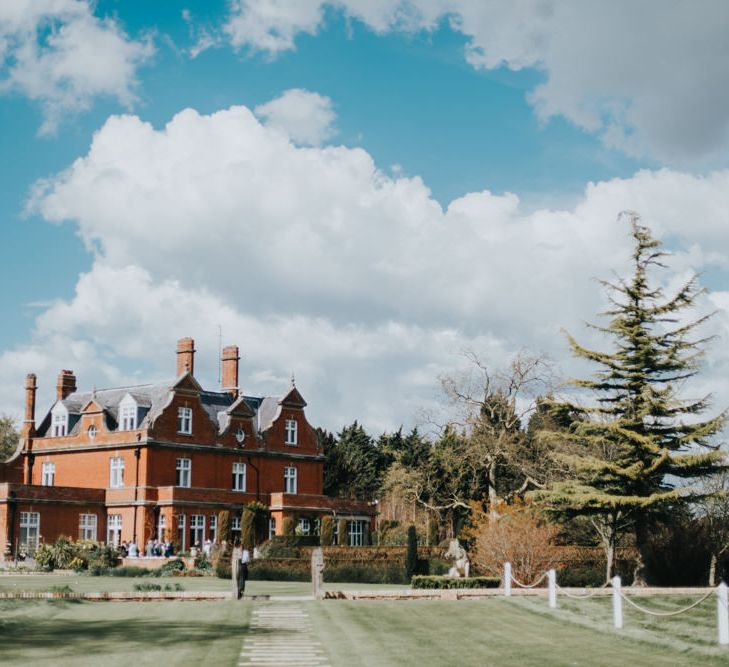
666 613
582 597
532 585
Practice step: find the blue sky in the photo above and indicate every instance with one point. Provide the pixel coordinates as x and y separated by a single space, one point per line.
445 100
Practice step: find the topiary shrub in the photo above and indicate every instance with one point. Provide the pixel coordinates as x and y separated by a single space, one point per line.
224 526
411 556
343 533
247 528
287 527
326 532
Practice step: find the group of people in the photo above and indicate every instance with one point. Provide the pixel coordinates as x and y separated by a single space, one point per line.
153 549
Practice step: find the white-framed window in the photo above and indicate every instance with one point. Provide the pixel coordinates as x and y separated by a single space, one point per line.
356 533
197 530
184 470
289 479
161 525
59 421
239 477
127 414
181 531
271 527
29 531
291 432
184 421
235 526
113 529
213 528
304 526
48 473
87 527
116 472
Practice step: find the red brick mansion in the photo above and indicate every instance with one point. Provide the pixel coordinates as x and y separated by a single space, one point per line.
161 461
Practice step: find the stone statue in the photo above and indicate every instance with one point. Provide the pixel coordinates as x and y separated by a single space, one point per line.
461 566
317 572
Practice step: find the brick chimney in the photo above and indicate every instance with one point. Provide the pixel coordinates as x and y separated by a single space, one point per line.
229 361
185 356
66 384
30 389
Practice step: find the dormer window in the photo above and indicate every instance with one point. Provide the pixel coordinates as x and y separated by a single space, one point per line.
291 432
128 416
59 421
184 421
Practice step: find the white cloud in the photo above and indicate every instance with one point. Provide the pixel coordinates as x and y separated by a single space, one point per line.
651 78
316 261
306 118
56 52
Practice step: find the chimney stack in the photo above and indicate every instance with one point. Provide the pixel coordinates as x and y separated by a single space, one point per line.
185 356
30 389
229 360
66 384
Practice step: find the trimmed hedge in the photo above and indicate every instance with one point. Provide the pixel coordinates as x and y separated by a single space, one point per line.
455 582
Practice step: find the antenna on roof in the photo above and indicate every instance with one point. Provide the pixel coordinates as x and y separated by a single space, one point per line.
220 356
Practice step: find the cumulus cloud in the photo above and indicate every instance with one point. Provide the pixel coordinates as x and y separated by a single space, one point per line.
57 53
306 118
651 78
316 261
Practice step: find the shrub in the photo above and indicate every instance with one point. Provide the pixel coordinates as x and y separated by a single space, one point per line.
147 586
455 582
343 533
518 536
287 527
326 532
247 527
224 526
174 587
411 557
283 569
382 573
201 563
171 567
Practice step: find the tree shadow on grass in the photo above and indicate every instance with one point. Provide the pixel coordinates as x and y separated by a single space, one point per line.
67 637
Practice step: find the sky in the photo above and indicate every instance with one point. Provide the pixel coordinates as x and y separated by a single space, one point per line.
357 192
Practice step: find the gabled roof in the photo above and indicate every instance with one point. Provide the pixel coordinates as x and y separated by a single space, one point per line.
153 398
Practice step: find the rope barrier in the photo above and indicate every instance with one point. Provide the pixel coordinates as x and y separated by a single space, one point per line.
667 613
532 585
583 597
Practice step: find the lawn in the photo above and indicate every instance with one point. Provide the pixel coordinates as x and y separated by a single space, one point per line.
494 631
121 633
519 632
83 583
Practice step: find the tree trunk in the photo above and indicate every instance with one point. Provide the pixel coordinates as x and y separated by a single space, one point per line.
493 497
712 570
609 560
641 541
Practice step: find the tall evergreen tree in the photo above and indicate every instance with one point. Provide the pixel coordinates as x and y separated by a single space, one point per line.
632 452
8 436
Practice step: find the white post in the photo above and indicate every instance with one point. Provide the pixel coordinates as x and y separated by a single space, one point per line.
722 613
552 578
507 580
617 604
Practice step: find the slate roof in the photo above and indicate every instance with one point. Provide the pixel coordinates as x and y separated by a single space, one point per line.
152 399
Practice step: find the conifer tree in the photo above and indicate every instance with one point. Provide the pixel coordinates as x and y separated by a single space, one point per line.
633 453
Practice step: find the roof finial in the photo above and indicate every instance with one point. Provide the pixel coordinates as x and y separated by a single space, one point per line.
293 379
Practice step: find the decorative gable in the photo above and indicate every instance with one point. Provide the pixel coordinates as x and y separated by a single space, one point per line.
293 399
186 384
